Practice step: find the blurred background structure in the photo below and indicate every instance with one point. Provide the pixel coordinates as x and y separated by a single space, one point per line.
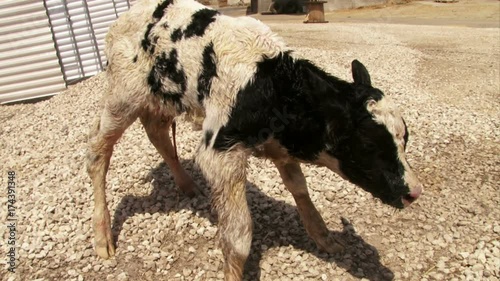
47 45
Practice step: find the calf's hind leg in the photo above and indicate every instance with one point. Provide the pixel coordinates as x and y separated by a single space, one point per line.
157 130
226 172
105 132
295 182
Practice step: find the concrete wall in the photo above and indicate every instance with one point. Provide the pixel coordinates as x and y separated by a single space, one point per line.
331 5
263 5
235 2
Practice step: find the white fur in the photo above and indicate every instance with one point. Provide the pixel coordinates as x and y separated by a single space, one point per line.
386 113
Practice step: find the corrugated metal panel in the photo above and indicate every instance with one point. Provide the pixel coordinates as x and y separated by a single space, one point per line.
79 28
103 13
71 28
29 63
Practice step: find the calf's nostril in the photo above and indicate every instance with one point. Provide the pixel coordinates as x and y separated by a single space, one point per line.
409 198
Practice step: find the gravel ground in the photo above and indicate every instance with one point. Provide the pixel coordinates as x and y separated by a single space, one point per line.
446 80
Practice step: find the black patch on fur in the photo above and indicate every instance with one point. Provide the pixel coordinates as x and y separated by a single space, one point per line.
158 13
134 59
199 22
153 46
167 67
284 101
154 81
176 35
174 98
146 43
208 137
208 72
165 25
160 9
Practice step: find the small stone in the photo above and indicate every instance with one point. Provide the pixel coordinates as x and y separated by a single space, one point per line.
155 256
313 271
72 273
477 267
186 272
200 230
496 229
110 263
86 268
122 276
41 255
150 265
448 238
481 257
88 253
330 196
266 267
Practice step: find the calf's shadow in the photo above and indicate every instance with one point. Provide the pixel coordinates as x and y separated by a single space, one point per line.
276 224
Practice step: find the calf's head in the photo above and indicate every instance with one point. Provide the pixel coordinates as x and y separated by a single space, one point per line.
371 151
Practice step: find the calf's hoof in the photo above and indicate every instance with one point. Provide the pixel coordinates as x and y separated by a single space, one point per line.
104 244
330 245
189 188
105 251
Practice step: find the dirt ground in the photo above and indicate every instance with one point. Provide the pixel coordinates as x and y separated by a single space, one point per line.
474 13
439 62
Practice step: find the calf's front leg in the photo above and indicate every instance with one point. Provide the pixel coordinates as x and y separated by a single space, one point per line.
295 182
226 172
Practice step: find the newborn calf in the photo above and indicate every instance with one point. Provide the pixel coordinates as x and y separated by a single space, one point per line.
178 56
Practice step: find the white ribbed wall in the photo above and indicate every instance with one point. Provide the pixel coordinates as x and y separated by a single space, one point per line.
29 67
45 44
79 29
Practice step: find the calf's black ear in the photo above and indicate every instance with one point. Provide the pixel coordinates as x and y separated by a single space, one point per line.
360 73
